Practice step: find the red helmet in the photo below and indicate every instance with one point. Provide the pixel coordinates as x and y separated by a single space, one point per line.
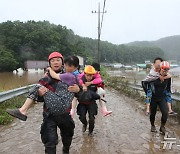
54 55
165 65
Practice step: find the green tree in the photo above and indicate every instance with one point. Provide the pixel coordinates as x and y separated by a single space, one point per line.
36 40
7 60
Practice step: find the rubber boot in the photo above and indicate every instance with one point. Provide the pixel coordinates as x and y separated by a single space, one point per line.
153 129
162 130
50 150
65 150
105 112
84 128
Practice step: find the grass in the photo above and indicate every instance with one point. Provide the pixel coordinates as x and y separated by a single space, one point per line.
16 102
104 71
121 84
1 89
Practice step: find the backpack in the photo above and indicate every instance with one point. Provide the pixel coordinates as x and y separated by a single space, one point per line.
89 95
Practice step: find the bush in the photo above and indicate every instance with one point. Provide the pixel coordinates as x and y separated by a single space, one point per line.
104 71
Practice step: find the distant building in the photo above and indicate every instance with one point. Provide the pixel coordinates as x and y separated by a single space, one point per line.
128 67
33 64
173 63
142 65
107 64
118 65
147 62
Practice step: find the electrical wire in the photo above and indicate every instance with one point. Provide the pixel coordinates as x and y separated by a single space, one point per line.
102 15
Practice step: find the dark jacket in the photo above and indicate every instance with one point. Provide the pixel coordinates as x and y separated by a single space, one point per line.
90 96
160 89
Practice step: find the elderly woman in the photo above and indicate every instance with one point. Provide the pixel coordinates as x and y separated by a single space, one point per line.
50 123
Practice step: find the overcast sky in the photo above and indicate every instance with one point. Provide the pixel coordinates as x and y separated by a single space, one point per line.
125 20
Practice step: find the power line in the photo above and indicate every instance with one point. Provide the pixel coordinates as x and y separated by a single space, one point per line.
103 15
100 27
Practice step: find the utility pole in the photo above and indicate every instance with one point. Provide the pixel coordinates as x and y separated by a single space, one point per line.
99 30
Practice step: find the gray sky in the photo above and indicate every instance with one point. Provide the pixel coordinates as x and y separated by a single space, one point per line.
125 20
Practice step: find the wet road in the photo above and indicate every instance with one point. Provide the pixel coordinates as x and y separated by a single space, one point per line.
126 131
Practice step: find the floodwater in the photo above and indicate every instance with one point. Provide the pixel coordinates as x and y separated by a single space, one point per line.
11 80
138 76
126 131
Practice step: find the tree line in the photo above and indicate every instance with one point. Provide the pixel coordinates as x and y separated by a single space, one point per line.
31 40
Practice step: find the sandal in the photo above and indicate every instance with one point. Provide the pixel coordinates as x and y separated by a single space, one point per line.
17 114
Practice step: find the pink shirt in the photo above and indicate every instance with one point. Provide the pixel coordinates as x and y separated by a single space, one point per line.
97 79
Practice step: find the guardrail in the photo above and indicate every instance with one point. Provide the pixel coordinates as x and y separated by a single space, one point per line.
175 97
23 90
14 92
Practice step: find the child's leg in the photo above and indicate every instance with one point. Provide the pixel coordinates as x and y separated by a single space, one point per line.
171 112
104 110
22 112
169 107
73 107
147 107
31 98
148 100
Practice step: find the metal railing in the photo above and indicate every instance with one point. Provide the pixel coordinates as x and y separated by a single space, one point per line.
23 90
14 92
175 96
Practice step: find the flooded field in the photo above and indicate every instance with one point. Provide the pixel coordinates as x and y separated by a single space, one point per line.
138 76
126 131
11 80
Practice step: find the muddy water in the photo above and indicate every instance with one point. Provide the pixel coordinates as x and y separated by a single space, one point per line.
126 131
10 80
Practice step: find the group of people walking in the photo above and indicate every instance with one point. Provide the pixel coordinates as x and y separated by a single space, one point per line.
60 90
63 86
